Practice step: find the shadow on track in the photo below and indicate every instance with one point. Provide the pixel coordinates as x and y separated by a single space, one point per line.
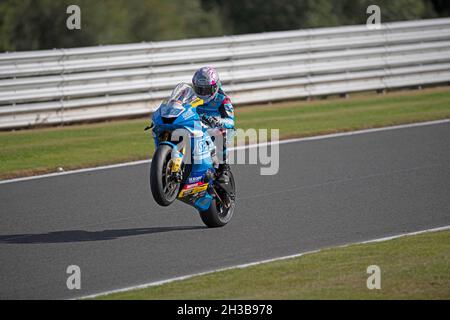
85 236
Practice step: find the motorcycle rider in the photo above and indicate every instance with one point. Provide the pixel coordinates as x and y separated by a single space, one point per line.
216 112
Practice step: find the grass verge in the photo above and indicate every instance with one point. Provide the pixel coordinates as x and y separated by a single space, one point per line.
413 267
29 152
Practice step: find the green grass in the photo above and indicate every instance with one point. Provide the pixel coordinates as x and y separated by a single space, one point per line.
413 267
28 152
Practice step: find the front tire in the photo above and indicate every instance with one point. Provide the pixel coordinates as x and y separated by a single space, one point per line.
218 215
163 190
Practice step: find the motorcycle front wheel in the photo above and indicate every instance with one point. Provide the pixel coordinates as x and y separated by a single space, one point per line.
164 190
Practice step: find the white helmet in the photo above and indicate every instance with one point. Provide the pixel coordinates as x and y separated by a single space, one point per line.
206 83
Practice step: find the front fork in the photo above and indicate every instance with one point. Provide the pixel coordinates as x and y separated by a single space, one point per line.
175 162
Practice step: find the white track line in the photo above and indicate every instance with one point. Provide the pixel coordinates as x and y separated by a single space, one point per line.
320 137
246 265
348 133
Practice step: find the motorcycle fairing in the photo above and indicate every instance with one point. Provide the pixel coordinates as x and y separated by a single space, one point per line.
184 116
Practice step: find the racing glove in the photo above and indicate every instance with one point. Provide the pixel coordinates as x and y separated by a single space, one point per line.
210 121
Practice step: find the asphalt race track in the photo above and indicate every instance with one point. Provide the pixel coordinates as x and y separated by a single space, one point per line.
328 192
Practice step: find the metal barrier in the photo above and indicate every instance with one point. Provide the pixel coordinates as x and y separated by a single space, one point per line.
67 85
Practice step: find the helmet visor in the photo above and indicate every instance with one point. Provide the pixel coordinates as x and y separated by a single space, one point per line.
205 91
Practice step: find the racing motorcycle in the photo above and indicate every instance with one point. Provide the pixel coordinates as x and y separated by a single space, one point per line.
184 163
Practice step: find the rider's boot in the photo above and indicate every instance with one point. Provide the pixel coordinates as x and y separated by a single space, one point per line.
223 173
223 180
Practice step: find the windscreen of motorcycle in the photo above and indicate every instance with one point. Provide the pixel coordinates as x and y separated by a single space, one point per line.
182 95
171 109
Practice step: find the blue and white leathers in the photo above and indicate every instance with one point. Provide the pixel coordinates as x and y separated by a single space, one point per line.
220 107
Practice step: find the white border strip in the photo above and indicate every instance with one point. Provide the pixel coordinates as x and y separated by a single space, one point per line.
246 265
64 173
313 138
348 133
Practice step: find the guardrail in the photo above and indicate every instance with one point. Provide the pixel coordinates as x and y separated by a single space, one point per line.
67 85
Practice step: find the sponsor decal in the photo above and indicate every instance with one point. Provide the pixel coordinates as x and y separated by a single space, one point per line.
195 179
192 189
188 114
190 186
201 147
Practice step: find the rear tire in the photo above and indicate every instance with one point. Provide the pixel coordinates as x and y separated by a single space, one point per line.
163 192
217 215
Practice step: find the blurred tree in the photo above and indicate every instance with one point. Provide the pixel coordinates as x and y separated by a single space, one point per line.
262 15
31 24
41 24
354 12
442 7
